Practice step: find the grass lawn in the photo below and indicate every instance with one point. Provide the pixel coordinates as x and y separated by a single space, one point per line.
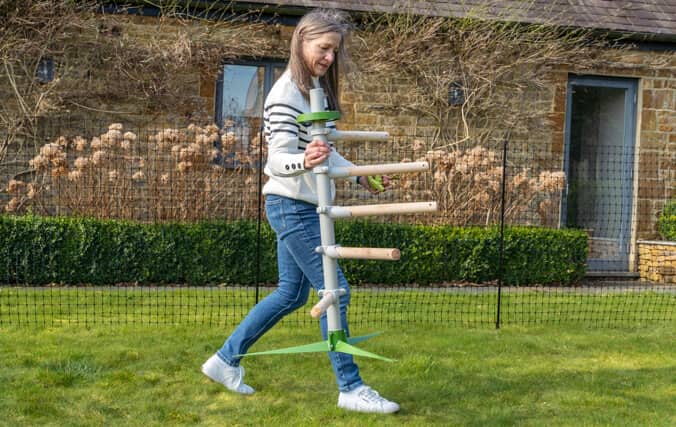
149 376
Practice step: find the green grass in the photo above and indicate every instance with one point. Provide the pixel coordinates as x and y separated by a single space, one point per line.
149 376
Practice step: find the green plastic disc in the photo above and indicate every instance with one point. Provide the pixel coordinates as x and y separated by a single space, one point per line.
318 116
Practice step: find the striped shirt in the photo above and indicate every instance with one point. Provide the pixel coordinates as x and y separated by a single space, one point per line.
287 139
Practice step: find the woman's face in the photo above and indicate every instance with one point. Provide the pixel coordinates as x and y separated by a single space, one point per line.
320 53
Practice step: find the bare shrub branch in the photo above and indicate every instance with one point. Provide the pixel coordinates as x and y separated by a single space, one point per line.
499 65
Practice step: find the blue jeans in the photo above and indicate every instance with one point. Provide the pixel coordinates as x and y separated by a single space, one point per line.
296 224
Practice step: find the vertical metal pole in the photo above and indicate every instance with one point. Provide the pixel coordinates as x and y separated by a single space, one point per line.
502 232
328 238
258 217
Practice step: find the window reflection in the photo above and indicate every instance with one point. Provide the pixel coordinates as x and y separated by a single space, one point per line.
242 104
242 91
241 95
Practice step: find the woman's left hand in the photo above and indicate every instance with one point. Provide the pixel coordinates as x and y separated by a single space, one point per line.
386 182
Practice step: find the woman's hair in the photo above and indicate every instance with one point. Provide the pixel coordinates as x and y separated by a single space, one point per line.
311 26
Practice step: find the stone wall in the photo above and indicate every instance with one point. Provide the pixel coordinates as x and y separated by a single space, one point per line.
655 166
373 103
656 148
657 261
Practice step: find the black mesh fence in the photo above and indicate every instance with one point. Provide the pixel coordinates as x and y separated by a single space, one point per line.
592 304
188 174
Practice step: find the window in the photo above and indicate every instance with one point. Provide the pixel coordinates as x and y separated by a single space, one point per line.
240 92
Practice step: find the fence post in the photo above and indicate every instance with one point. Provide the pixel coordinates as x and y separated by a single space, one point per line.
502 232
258 216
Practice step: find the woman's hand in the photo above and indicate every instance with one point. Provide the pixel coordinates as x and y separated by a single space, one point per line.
315 153
386 182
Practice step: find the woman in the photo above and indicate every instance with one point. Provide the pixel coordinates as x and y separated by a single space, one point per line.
317 49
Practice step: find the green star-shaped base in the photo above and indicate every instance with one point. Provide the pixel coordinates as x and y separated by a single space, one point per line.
338 341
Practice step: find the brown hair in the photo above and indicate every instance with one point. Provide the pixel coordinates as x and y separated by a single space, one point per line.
311 26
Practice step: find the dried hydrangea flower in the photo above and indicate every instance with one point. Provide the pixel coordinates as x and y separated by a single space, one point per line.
15 186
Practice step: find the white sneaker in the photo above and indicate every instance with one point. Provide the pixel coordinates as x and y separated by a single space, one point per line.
230 376
366 399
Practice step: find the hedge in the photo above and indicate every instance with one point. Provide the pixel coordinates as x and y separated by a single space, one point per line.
435 254
42 250
667 221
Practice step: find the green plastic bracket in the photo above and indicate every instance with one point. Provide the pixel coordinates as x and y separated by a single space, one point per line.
318 116
338 341
335 337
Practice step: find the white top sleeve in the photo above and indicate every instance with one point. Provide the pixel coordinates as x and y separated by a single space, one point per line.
283 138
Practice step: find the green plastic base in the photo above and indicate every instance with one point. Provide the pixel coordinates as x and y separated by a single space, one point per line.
318 116
338 341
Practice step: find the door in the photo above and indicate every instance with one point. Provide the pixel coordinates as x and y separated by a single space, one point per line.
599 163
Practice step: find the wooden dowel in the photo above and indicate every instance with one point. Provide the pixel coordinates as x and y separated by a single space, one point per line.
384 209
322 305
335 135
387 254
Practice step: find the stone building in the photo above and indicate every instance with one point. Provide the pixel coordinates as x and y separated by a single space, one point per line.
605 115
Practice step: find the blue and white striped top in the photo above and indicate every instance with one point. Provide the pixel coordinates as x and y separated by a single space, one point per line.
287 140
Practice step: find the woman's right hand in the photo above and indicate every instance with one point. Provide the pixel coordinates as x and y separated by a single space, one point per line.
315 153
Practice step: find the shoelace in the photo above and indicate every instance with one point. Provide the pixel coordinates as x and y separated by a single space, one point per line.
371 396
